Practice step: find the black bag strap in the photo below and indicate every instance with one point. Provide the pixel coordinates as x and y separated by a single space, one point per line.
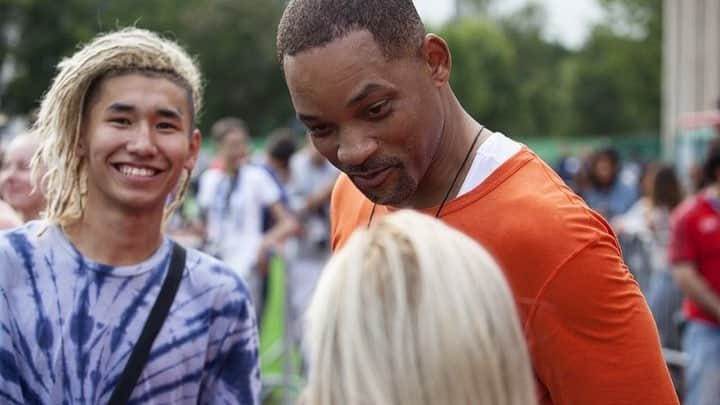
158 314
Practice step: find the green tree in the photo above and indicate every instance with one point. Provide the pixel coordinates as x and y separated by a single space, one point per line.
44 31
233 40
542 105
617 87
482 60
465 8
508 76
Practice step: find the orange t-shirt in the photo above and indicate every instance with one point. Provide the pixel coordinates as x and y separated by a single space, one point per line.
590 333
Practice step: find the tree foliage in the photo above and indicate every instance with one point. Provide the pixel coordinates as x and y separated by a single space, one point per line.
233 40
505 71
510 76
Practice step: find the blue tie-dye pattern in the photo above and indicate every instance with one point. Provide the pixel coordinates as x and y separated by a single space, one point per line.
180 305
102 273
43 329
138 301
96 376
5 396
25 350
205 353
81 326
121 290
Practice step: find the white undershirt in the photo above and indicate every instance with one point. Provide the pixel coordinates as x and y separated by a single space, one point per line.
495 151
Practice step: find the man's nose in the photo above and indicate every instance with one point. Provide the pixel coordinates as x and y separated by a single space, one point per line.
355 149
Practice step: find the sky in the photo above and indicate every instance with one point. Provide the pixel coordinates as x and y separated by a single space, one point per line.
569 21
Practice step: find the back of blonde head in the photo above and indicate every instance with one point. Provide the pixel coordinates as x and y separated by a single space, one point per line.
60 118
412 312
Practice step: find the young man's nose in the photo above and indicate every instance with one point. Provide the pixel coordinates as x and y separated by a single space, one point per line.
142 141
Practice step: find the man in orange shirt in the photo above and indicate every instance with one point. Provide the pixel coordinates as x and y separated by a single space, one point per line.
373 90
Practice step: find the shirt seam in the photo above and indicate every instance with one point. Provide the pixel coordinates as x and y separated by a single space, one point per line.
551 278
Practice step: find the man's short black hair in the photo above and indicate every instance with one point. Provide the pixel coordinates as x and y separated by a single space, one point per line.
306 24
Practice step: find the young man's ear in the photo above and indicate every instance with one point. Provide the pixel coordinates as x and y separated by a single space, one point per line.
436 53
194 150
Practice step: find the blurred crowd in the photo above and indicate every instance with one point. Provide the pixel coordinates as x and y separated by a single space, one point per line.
276 201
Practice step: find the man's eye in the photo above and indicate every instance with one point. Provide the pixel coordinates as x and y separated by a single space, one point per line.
319 130
379 109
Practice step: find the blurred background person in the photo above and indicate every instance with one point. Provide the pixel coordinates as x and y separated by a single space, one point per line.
17 187
664 296
412 312
213 173
567 166
308 179
648 223
234 224
280 148
695 255
633 229
606 193
8 217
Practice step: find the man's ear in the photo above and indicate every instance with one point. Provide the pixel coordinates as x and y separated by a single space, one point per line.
437 56
194 150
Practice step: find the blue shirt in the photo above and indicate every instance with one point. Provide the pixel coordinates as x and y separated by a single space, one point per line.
616 200
68 326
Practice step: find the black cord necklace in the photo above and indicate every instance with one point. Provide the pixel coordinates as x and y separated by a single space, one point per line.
452 185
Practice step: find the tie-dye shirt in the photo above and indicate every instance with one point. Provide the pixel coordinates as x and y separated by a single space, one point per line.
68 326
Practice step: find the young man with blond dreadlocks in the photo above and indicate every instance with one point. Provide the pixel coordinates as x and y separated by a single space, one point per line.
96 304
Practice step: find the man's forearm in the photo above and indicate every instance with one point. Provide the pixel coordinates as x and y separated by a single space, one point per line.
697 289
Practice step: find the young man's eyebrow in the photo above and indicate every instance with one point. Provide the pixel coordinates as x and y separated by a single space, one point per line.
365 92
170 113
164 112
120 107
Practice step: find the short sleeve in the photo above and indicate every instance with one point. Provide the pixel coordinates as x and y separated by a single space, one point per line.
592 337
232 370
683 244
207 187
269 190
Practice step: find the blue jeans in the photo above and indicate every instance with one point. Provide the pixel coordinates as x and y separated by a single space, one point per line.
701 341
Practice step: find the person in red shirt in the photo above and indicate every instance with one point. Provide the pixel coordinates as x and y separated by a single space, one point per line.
695 254
373 90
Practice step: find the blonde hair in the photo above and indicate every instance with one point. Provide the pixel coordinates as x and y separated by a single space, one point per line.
61 115
412 312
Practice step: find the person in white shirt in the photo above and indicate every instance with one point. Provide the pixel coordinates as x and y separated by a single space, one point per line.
235 214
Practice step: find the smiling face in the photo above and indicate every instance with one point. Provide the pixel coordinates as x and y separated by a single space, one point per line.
377 119
16 186
137 139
